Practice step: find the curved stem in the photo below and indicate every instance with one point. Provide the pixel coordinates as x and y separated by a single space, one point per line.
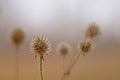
67 72
41 73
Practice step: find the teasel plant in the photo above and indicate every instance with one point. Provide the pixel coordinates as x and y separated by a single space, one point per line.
18 36
40 46
63 49
92 31
85 46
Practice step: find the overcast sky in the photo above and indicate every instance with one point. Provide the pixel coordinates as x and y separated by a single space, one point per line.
60 19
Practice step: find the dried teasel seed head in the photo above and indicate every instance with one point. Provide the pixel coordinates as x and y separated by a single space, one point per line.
85 46
40 45
63 48
92 31
18 36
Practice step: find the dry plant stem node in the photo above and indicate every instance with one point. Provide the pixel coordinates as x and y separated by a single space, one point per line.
85 47
67 72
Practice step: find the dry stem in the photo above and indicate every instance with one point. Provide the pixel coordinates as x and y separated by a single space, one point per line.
41 72
17 63
72 63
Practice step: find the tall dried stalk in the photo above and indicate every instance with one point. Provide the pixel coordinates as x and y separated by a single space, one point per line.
71 65
85 46
73 56
41 70
63 63
17 38
40 46
17 63
63 49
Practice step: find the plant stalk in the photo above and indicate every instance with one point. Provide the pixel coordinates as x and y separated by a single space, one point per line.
71 65
17 63
41 72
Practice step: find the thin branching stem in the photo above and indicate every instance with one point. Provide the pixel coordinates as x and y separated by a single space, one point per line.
67 72
41 71
73 63
75 53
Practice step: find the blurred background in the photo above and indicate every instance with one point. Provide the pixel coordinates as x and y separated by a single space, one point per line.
61 20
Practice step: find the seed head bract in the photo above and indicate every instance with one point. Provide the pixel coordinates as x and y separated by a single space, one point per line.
86 46
40 45
92 30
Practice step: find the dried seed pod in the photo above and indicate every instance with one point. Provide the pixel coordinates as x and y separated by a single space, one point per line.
92 31
85 46
40 45
63 48
18 36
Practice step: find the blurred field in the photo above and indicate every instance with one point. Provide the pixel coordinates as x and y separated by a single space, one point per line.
98 65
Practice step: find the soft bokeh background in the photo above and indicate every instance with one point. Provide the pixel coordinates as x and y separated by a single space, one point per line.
61 20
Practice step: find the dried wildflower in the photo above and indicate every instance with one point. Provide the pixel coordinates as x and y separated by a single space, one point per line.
63 48
85 46
18 36
40 46
92 31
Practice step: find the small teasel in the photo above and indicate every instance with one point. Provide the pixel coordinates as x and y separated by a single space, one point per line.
92 31
17 38
40 46
85 46
63 49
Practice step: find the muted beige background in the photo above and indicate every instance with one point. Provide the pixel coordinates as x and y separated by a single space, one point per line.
61 20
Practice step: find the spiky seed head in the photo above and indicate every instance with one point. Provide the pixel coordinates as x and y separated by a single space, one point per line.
63 48
40 45
85 46
18 36
92 31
